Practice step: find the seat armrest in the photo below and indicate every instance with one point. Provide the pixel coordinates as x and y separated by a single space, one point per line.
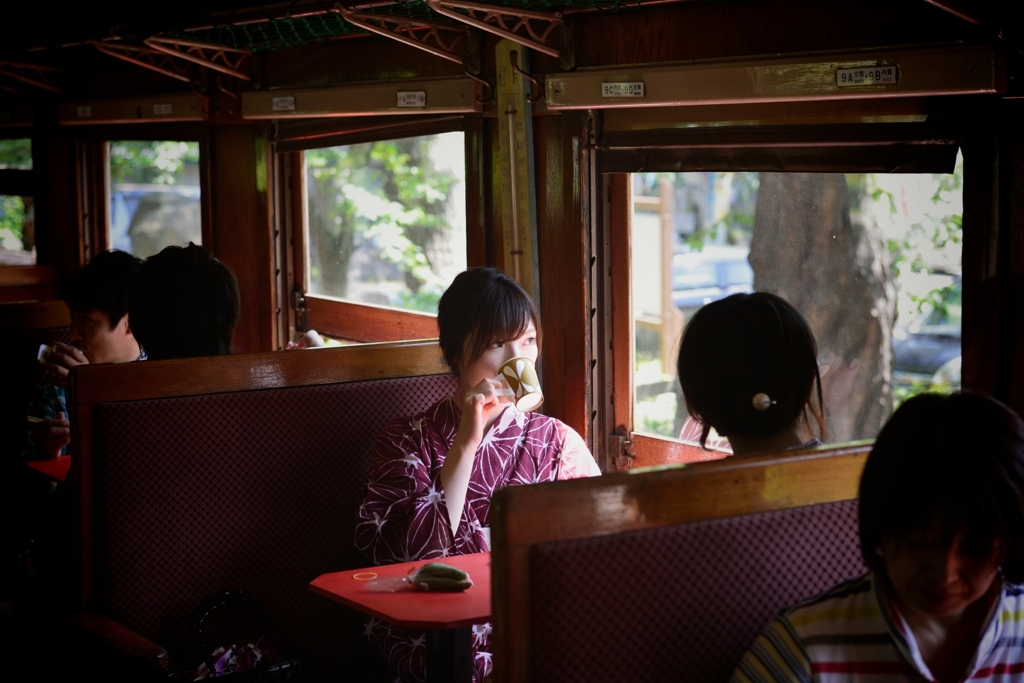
126 642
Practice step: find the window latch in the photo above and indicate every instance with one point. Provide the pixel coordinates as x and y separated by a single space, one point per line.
299 307
622 448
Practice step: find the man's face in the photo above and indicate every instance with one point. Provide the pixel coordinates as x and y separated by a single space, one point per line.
91 332
935 577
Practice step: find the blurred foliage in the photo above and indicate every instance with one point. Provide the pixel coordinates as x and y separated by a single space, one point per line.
939 228
657 415
386 196
12 221
16 153
948 300
147 162
735 227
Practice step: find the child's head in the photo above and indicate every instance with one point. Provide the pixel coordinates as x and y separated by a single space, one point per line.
945 484
746 347
184 303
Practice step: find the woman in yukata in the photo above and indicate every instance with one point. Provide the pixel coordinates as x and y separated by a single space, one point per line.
432 475
748 368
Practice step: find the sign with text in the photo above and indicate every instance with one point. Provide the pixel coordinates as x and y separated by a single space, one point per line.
635 89
283 103
412 99
878 75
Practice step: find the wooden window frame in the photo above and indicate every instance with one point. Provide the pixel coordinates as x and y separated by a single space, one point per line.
627 448
349 321
92 164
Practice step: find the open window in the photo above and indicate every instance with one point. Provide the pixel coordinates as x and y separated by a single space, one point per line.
865 241
155 195
378 226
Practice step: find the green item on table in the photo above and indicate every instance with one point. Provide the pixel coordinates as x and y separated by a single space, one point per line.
437 576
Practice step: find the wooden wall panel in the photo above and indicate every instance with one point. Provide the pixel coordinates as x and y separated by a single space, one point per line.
364 58
981 339
477 184
1012 148
715 30
563 291
240 213
993 254
57 238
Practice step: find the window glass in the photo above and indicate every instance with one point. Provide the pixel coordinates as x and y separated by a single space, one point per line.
387 220
17 231
154 195
17 222
16 153
872 261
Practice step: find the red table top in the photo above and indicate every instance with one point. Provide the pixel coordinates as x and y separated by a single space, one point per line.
414 609
55 469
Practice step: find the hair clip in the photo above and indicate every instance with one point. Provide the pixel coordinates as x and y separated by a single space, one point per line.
761 401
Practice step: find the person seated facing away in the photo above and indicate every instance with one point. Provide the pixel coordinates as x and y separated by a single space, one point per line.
748 368
942 529
432 475
97 299
184 303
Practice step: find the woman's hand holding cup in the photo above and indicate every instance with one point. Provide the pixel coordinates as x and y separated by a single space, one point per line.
479 407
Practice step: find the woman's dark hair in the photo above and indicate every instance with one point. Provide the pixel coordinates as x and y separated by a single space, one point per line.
960 457
103 284
482 305
184 303
741 346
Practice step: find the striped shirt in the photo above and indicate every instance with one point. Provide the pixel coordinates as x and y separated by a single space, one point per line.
855 633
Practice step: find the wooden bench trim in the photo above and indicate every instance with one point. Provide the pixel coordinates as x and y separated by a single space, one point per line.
253 371
34 315
366 323
525 516
108 383
22 276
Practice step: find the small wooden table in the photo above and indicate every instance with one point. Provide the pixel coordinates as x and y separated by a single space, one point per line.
448 617
54 469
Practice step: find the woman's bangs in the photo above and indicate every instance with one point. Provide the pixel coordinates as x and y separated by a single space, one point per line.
505 320
511 321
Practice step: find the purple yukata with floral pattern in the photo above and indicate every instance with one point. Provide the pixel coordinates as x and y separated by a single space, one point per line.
404 516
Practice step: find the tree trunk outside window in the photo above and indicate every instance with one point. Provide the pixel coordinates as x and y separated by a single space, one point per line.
834 270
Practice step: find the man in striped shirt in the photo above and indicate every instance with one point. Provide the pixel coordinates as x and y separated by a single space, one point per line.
942 528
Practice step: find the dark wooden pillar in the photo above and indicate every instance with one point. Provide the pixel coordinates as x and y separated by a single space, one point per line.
240 226
562 226
56 210
993 254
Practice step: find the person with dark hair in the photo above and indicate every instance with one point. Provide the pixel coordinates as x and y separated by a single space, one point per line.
942 531
184 303
97 299
748 368
432 475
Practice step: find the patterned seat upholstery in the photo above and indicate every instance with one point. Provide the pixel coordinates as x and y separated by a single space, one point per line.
254 490
682 602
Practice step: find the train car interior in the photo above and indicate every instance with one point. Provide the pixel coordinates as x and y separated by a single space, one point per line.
627 164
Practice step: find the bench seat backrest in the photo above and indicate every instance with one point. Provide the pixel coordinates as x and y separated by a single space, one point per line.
255 490
680 585
680 603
